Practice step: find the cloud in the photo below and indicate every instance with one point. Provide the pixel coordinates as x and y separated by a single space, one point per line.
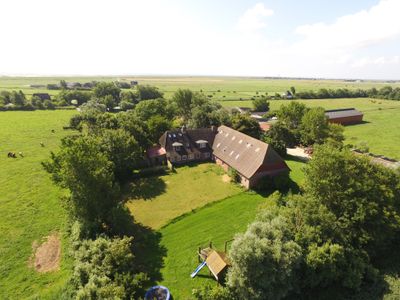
378 61
254 18
362 29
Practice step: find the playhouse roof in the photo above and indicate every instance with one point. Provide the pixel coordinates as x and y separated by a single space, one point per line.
217 262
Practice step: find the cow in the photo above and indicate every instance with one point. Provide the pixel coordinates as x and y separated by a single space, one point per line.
11 155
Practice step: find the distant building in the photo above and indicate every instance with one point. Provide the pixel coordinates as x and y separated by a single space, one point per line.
251 158
42 96
134 82
345 116
73 85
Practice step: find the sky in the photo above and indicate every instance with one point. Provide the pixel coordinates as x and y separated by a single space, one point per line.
288 38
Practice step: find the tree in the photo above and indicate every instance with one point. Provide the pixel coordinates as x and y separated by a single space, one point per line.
18 98
183 100
48 104
364 197
208 114
105 269
261 104
292 114
145 109
335 135
280 138
107 89
148 92
293 90
247 125
63 84
314 127
157 126
88 173
265 260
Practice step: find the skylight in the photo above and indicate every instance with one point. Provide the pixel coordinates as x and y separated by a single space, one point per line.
258 149
230 154
237 156
241 141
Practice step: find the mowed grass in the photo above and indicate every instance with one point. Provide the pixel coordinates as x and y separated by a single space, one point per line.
216 222
161 199
29 202
381 129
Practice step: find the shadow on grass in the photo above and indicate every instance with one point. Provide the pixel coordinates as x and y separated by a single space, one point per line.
355 124
149 254
144 188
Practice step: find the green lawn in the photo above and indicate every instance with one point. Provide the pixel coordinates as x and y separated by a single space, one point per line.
216 222
160 199
29 202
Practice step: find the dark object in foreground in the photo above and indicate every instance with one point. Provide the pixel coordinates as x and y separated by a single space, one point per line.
157 292
11 155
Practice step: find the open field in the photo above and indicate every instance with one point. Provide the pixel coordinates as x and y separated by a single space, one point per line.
220 88
29 202
160 199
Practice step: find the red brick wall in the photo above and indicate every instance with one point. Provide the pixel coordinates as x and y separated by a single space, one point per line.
347 120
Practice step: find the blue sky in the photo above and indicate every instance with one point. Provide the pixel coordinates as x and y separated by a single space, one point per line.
308 38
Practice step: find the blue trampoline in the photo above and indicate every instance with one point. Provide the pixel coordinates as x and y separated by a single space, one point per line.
157 292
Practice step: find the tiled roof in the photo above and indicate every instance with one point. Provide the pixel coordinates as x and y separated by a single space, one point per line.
244 153
342 113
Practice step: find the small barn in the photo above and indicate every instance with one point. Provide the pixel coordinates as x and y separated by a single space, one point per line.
344 116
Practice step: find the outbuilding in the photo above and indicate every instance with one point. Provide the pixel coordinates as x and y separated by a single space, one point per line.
344 116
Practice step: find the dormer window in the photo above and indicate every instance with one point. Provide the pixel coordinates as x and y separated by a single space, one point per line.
177 146
202 144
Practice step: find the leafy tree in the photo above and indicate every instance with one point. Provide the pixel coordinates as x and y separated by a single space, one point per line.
66 96
63 84
138 128
335 135
129 96
314 127
5 97
208 114
105 269
261 104
292 114
88 174
157 126
364 197
48 104
18 98
247 125
183 100
145 109
265 260
148 92
280 138
93 107
293 90
107 89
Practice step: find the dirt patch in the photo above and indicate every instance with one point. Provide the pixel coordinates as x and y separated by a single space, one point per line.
46 257
226 178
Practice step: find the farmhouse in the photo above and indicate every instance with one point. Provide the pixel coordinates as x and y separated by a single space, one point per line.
251 158
42 96
345 116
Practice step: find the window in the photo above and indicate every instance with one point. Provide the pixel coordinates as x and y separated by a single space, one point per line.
207 154
187 145
177 148
230 154
241 141
258 149
219 144
202 145
191 156
237 156
178 158
184 157
197 155
233 138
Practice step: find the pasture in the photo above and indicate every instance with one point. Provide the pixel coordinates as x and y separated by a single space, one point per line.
29 202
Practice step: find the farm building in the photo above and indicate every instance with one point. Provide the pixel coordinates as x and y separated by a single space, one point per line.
251 158
345 116
42 96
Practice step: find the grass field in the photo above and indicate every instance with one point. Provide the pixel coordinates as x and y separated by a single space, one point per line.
29 202
160 199
220 88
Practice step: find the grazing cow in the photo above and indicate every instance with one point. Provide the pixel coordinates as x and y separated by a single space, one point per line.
41 144
53 131
21 154
11 155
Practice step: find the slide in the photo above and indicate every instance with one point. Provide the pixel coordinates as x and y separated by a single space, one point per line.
198 269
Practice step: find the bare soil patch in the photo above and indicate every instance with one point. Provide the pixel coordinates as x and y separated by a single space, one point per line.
46 257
